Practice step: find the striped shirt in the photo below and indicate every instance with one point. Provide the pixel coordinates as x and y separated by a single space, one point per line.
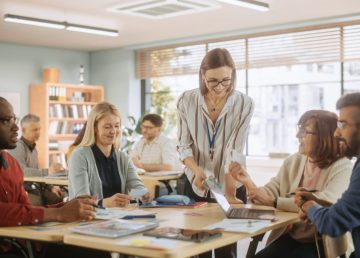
195 130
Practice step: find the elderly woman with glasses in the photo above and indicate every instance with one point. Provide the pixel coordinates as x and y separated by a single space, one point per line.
318 167
212 121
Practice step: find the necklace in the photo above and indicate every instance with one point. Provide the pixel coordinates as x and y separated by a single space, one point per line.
216 106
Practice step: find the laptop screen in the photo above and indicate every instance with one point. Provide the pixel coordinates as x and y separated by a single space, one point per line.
221 200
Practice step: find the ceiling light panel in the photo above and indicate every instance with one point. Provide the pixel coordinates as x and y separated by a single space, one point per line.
251 4
34 21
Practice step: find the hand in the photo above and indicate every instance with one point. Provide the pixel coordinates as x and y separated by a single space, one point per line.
259 195
199 180
302 195
233 200
146 198
117 200
55 167
77 209
57 190
303 216
238 172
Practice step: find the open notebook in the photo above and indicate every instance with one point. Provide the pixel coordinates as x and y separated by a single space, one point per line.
114 228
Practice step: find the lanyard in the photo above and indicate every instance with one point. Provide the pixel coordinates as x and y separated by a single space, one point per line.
212 140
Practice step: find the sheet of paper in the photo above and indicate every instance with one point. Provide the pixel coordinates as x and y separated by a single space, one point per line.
137 193
240 225
149 242
117 213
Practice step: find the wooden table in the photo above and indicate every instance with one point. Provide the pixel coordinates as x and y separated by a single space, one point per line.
49 181
152 182
183 218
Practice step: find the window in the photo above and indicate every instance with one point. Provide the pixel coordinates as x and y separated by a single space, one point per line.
286 73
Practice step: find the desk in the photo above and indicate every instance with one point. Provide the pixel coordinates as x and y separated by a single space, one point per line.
151 182
48 181
184 218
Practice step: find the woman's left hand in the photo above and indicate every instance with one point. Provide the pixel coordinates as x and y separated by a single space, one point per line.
258 195
146 198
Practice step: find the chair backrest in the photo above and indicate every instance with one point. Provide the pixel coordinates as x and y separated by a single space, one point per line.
334 246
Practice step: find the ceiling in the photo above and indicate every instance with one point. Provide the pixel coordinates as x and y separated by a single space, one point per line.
141 31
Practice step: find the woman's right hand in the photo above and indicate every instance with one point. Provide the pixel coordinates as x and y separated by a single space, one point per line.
199 180
117 200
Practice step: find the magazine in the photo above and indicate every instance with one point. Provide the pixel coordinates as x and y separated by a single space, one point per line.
114 228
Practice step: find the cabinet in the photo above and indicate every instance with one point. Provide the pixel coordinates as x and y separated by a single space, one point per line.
63 109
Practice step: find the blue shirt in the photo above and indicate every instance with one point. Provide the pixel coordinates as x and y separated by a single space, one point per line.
342 216
108 171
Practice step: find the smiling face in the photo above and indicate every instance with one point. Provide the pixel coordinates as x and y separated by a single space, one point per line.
107 130
8 128
308 137
218 80
349 134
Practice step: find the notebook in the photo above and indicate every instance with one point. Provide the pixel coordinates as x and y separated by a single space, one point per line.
114 228
241 213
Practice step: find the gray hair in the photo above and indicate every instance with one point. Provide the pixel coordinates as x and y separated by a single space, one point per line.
30 118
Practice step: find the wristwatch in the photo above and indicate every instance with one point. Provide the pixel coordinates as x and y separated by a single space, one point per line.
275 202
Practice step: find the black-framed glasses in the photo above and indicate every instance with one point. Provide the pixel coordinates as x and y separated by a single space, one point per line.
8 121
214 83
342 124
303 132
146 127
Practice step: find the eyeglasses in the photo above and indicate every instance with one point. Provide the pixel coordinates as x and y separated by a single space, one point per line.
146 127
214 83
343 124
8 121
302 132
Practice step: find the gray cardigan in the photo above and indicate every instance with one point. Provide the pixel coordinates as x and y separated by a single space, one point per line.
84 178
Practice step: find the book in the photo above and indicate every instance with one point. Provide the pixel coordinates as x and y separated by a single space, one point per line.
114 228
172 205
118 213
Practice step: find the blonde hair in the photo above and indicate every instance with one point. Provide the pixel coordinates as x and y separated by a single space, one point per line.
99 111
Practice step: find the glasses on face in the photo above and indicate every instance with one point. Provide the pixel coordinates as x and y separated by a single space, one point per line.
8 121
214 83
303 132
342 124
147 127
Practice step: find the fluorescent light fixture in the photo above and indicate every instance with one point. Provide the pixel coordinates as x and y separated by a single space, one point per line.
34 21
252 4
60 25
92 30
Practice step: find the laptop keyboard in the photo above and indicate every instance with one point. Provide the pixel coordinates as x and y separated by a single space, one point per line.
243 213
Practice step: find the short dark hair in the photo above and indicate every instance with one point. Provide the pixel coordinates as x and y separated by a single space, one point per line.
213 59
328 150
155 119
351 99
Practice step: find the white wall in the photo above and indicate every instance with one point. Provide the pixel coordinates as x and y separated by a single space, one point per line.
21 65
115 69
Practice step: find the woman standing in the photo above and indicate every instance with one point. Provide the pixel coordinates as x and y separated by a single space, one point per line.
97 167
318 166
212 121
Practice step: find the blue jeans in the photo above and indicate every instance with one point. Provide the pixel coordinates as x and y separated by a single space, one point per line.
285 246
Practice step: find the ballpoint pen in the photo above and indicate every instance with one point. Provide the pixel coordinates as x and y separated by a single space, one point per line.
309 191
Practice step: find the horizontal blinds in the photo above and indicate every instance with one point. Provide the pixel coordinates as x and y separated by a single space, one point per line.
351 42
294 48
327 44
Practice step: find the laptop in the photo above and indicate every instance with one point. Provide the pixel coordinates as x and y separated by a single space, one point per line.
241 213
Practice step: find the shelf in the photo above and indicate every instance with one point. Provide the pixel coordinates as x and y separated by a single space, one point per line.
72 102
70 119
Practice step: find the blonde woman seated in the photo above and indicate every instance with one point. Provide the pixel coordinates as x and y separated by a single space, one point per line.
318 165
97 167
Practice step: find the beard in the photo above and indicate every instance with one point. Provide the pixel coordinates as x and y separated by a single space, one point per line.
348 148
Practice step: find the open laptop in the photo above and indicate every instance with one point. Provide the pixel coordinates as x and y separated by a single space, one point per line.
240 213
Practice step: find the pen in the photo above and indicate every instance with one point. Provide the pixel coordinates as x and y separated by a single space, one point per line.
309 191
99 207
149 216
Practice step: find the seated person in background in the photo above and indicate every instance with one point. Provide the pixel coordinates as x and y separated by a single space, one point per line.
318 165
344 215
77 141
15 206
97 167
154 151
27 155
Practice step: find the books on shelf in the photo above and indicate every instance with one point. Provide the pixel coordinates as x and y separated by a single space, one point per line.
114 228
75 111
58 93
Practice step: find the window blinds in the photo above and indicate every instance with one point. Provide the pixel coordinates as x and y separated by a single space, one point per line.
330 43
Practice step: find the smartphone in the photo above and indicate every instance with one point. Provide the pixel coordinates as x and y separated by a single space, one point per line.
200 235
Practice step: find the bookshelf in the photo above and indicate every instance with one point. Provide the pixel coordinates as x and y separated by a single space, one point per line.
63 109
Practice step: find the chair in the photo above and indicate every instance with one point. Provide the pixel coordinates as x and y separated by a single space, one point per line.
335 246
